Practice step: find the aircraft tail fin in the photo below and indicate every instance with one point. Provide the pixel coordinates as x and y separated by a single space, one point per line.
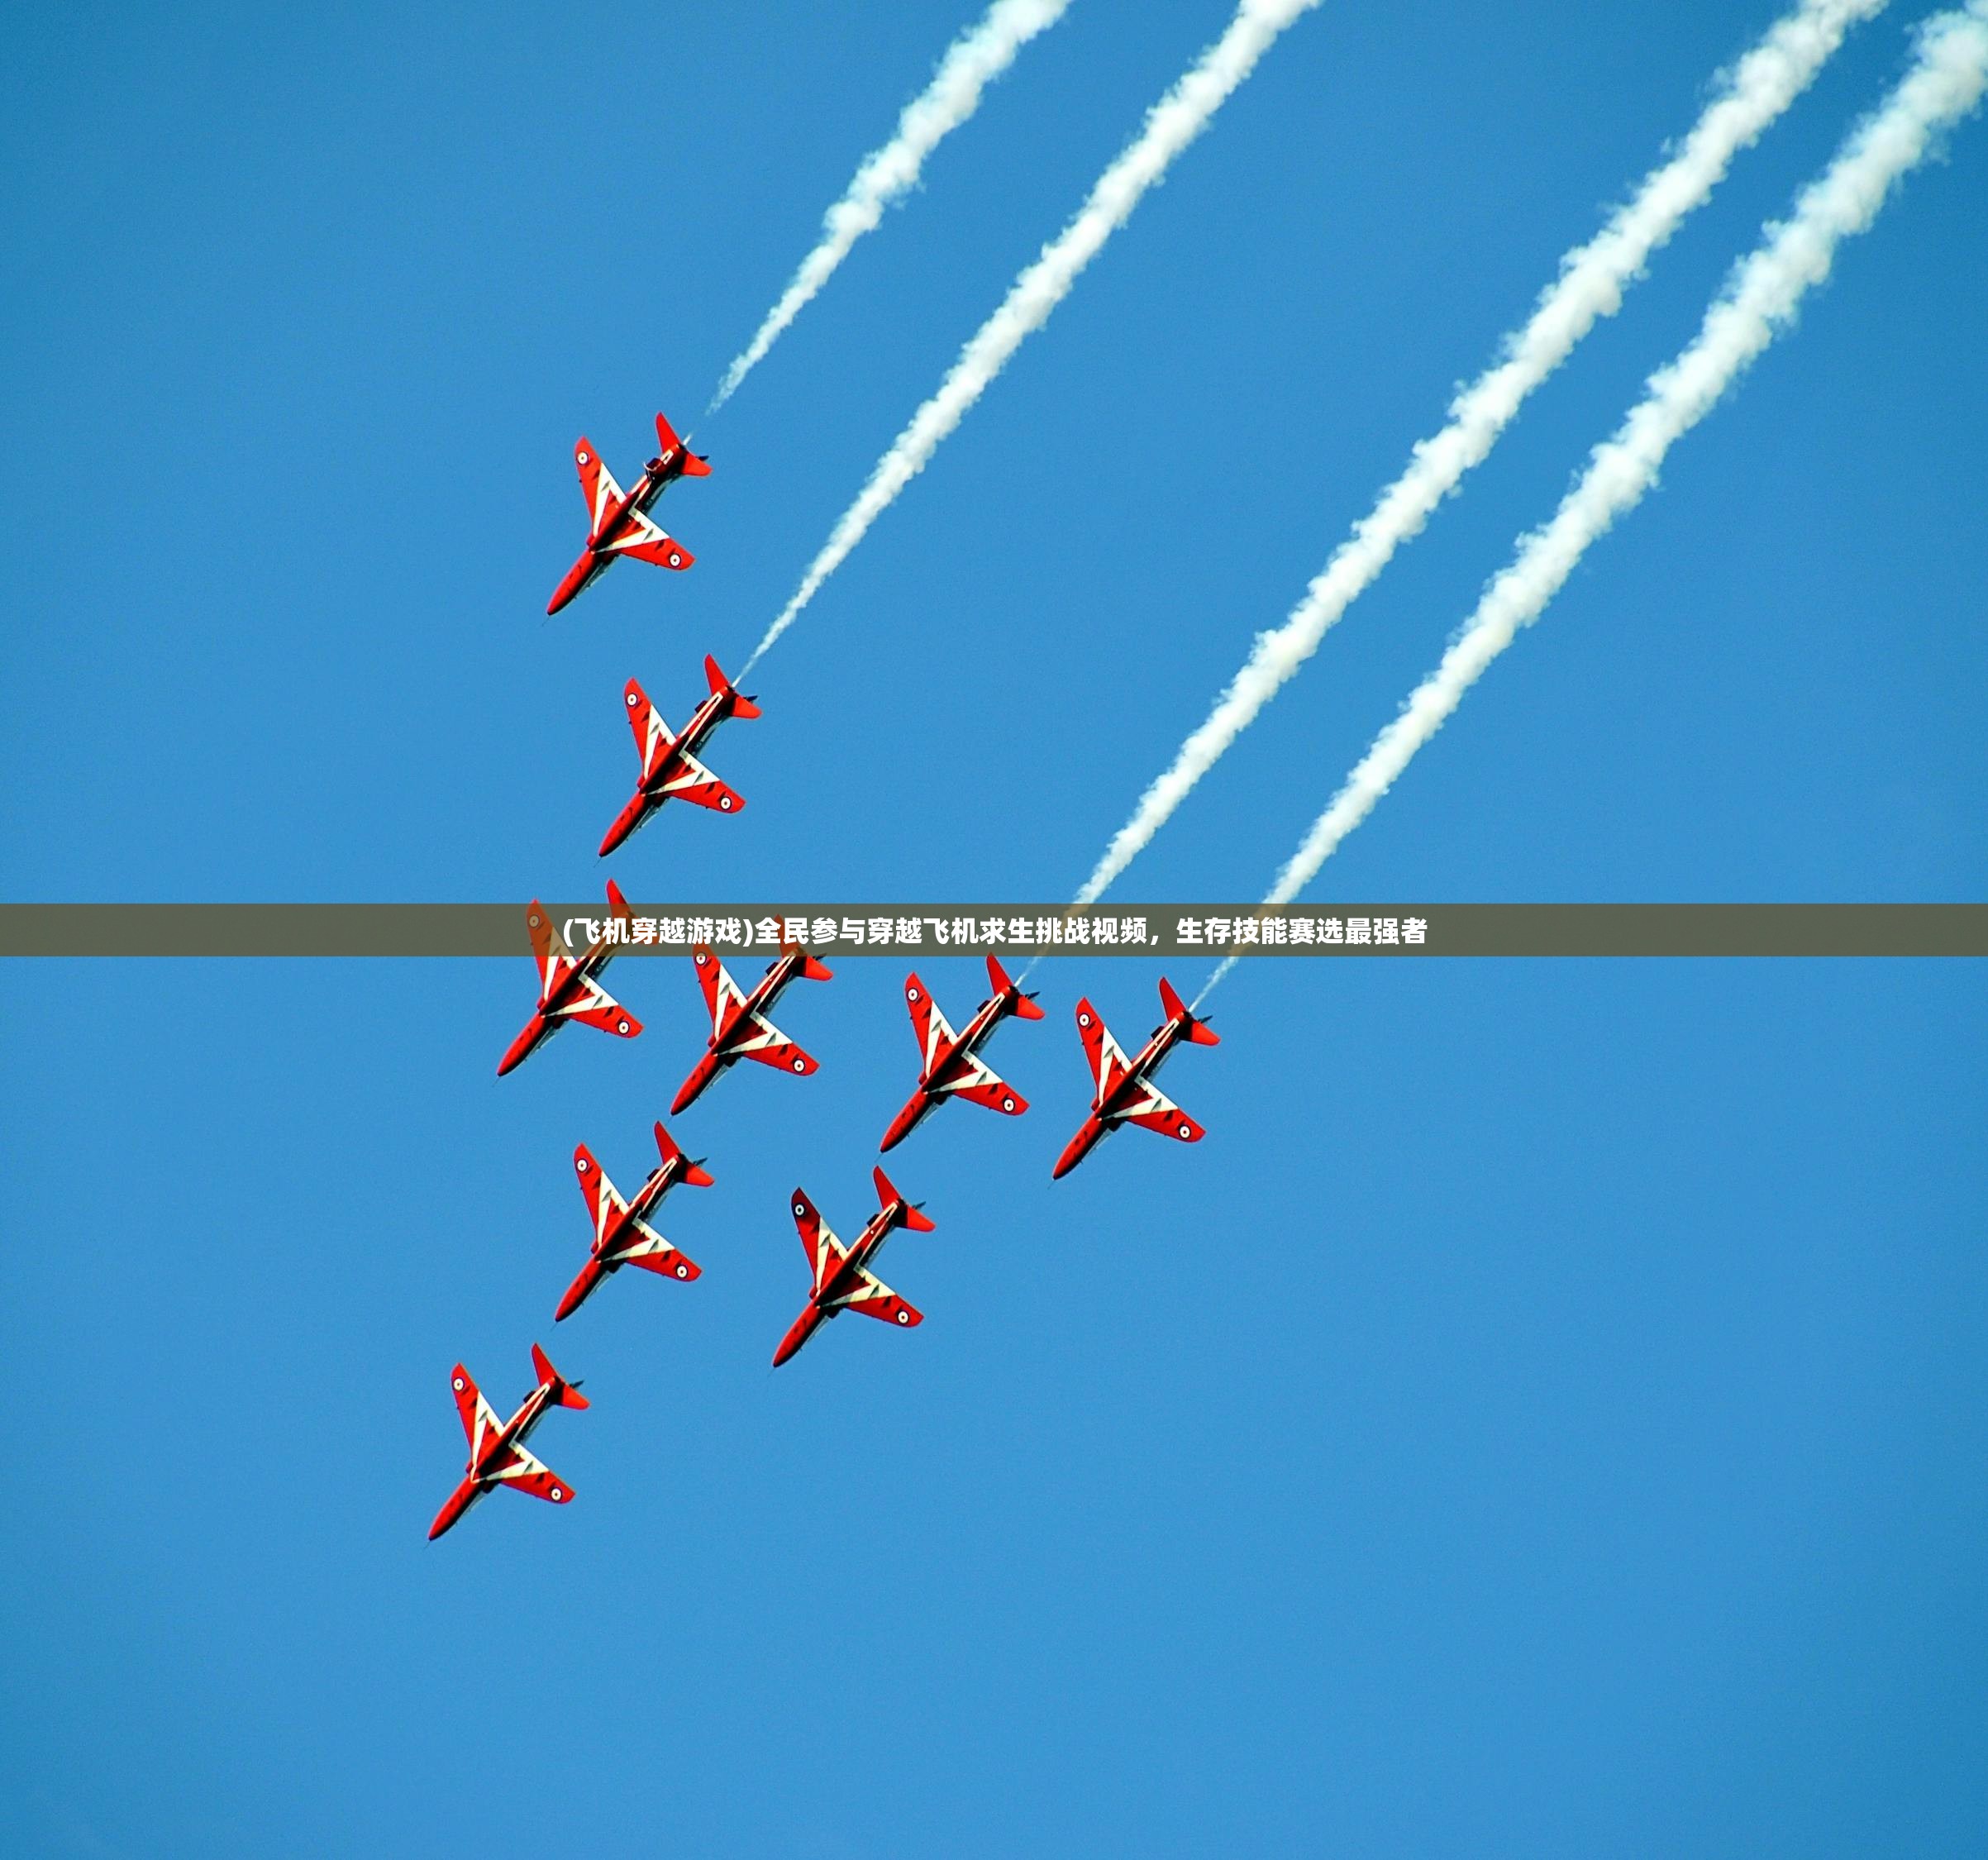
667 440
1198 1031
887 1194
742 705
667 1146
812 968
998 979
567 1394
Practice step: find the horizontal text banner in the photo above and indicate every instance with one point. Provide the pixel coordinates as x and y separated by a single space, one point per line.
1019 930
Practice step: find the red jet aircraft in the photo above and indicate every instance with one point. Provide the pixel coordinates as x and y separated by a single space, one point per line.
496 1448
739 1026
618 521
621 1233
842 1279
566 988
1126 1093
670 764
950 1067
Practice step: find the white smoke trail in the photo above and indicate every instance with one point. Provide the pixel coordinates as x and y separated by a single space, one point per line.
972 62
1758 302
1592 276
1169 127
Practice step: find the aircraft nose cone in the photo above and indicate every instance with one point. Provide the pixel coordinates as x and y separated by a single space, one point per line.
1073 1153
801 1330
515 1054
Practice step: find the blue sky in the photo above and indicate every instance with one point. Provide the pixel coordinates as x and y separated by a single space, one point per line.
1545 1417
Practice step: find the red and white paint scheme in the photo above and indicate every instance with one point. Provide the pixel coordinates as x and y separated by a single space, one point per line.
739 1026
670 769
618 521
621 1233
1125 1091
842 1279
567 989
950 1066
496 1448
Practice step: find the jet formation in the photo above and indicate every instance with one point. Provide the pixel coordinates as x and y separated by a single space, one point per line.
951 1064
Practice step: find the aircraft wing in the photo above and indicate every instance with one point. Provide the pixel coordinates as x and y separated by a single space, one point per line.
756 1037
1156 1111
874 1299
825 1252
985 1086
644 1247
1108 1064
595 1007
549 948
723 999
596 486
604 1202
479 1419
926 1021
522 1473
647 542
652 735
694 783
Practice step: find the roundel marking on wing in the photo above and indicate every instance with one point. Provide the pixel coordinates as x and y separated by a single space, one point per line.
558 1496
459 1385
701 959
1083 1020
1187 1130
631 700
800 1210
582 454
724 801
903 1317
581 1163
1007 1104
676 559
536 920
621 1027
800 1065
911 995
